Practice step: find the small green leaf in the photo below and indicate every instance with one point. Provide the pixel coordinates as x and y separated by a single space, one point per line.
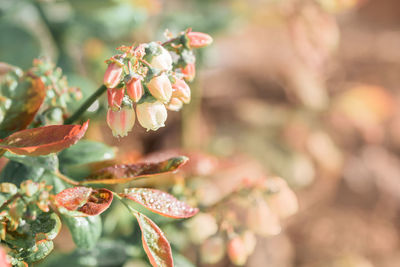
47 223
38 252
85 231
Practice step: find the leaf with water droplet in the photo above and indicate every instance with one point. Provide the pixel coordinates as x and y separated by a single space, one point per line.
155 243
83 201
124 173
160 202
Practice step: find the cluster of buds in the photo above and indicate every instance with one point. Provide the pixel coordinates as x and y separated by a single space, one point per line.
58 93
27 223
153 77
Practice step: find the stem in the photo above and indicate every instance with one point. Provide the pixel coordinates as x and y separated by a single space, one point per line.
86 105
65 178
135 212
169 41
145 63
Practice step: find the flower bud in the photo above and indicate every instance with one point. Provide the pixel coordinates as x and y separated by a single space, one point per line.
134 89
113 74
151 115
3 258
201 227
189 72
237 251
162 61
181 90
199 39
249 241
212 250
160 87
115 96
175 104
121 121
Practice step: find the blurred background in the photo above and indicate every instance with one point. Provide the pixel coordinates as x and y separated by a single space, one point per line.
307 90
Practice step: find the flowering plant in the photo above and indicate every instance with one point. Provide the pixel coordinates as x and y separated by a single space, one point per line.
37 189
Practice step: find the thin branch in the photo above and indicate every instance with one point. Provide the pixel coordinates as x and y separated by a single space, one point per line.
65 178
86 105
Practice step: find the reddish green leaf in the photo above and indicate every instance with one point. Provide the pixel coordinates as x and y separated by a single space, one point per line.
43 140
155 244
127 172
25 103
160 202
84 201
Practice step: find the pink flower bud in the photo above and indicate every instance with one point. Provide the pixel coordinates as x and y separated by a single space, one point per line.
189 72
249 241
199 39
3 258
181 90
134 89
237 251
151 115
121 121
113 74
175 104
115 96
160 87
162 61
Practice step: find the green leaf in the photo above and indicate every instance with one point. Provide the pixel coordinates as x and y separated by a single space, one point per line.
76 161
32 240
38 252
47 223
49 162
84 152
85 231
107 253
16 173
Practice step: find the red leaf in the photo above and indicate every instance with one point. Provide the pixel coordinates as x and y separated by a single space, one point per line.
24 105
124 173
155 244
43 140
160 202
84 201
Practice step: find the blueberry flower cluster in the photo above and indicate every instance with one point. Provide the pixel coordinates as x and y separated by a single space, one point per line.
152 76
